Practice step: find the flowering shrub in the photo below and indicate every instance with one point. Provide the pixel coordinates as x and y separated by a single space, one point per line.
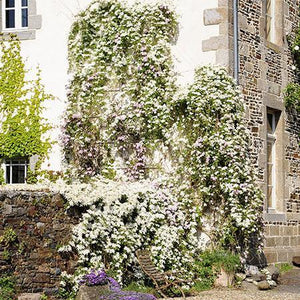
125 218
121 87
124 111
220 173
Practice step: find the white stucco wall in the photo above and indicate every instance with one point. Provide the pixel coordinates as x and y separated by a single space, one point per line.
49 50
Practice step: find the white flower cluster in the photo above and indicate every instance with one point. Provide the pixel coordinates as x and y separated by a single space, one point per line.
214 157
121 87
122 217
125 113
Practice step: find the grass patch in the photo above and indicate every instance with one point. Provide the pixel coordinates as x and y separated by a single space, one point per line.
201 285
284 267
139 287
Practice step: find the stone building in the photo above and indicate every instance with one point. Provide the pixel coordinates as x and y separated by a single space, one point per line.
263 61
249 37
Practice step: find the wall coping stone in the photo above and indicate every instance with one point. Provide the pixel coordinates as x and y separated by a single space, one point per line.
24 187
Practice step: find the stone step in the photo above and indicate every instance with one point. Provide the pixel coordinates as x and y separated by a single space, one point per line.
29 296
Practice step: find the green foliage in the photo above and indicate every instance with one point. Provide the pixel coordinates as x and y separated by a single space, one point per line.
51 176
9 237
292 90
206 283
44 297
6 255
23 128
139 287
2 179
284 267
292 96
209 265
9 242
42 175
31 177
226 260
7 287
21 248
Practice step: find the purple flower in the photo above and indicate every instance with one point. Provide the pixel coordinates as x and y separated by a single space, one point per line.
113 285
91 78
95 278
100 278
213 178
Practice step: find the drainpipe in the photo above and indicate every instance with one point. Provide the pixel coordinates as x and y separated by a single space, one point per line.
236 62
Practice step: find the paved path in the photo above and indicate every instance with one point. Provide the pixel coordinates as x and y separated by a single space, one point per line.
290 282
289 289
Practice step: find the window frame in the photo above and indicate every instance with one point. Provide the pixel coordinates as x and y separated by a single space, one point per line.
18 9
8 163
270 21
273 13
271 139
271 197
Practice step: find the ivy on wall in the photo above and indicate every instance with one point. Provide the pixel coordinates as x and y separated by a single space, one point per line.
22 127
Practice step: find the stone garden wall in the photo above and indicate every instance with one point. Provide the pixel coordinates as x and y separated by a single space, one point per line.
41 226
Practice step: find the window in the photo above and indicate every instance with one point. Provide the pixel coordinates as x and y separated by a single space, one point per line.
272 120
270 21
15 14
274 25
270 159
16 170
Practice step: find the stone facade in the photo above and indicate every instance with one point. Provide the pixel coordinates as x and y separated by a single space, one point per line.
265 70
41 226
282 241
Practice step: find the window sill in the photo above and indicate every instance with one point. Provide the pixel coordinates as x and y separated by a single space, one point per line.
21 34
273 216
15 30
275 47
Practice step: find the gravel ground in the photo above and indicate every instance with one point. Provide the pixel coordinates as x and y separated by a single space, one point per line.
289 289
239 294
